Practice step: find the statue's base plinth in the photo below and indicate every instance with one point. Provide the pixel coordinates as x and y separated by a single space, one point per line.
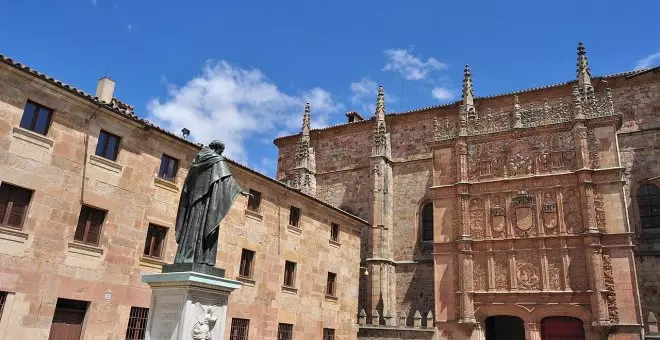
179 297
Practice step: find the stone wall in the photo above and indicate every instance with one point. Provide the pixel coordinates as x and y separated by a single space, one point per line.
41 263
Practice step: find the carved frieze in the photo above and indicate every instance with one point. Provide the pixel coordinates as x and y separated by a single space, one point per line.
497 217
501 272
610 294
599 207
549 213
480 273
593 144
572 215
477 218
554 270
528 274
577 270
522 209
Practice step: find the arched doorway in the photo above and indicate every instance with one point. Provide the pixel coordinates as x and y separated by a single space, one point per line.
562 328
504 327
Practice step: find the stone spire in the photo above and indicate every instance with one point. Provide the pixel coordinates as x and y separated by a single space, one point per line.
583 71
305 170
306 122
380 104
468 91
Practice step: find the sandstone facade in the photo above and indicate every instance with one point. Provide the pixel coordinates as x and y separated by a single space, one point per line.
535 208
40 262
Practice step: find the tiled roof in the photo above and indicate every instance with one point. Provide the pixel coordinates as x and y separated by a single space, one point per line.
127 111
456 103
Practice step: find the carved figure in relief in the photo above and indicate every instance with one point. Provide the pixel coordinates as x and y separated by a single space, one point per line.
528 276
205 318
477 218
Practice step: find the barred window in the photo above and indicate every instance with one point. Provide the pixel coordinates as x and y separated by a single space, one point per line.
239 329
137 323
285 331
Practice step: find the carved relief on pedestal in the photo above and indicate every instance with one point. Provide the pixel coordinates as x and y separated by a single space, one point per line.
523 214
480 273
549 213
205 318
527 274
501 272
577 270
477 222
572 215
610 295
599 207
554 270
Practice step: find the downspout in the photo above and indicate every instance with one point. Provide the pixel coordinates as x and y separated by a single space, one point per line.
86 137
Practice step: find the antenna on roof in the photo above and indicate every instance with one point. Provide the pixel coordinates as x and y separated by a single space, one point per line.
185 133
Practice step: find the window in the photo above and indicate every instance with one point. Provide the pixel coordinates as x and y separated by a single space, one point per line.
334 232
330 288
239 329
3 298
36 118
294 216
13 205
137 323
247 258
289 274
89 225
168 168
328 334
427 222
108 146
648 201
254 200
285 331
153 246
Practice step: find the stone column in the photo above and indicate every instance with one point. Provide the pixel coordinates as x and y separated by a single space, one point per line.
596 277
465 282
191 301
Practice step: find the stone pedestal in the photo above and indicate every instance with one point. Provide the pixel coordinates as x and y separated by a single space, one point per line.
188 302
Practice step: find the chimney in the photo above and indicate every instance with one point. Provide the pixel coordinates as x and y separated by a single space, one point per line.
353 117
105 89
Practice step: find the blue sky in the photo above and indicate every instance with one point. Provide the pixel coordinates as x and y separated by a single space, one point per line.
240 71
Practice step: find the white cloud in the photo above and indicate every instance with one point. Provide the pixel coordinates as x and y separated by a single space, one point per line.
130 27
648 61
411 67
93 2
442 93
363 94
233 104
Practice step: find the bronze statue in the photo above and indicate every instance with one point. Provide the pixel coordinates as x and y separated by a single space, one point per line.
208 193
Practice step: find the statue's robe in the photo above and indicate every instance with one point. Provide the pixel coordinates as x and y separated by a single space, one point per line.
208 193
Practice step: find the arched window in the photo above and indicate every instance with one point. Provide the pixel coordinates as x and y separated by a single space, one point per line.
427 222
648 202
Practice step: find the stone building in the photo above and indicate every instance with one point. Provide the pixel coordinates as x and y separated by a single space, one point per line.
526 215
88 199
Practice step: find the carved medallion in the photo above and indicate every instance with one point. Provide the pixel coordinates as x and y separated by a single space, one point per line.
528 276
497 215
477 218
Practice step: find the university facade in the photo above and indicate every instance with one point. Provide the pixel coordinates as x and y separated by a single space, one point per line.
528 215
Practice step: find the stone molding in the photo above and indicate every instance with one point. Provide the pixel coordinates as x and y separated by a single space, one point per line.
167 185
294 229
32 137
255 215
105 163
85 249
11 234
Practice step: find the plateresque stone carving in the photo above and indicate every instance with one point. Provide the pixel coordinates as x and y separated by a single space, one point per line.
205 318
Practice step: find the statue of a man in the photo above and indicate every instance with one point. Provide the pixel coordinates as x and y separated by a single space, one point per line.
208 193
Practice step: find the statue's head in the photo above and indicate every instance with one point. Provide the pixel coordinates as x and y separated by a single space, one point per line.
217 146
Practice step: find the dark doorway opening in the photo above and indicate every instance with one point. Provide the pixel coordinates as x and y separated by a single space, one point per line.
504 327
68 319
562 328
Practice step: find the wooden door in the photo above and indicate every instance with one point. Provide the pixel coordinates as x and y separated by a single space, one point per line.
67 324
562 328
